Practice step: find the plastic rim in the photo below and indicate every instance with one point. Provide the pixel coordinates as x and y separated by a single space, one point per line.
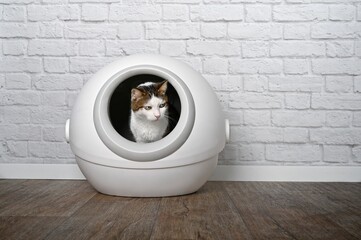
143 151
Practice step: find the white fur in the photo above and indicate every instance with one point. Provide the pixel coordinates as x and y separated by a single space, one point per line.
144 123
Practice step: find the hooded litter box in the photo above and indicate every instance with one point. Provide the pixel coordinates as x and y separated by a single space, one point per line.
179 163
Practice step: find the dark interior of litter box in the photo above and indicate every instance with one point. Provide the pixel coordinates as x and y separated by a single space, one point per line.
119 105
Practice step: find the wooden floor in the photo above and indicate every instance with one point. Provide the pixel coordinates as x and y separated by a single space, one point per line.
43 209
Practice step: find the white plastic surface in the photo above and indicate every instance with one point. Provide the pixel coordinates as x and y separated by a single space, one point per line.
183 171
67 135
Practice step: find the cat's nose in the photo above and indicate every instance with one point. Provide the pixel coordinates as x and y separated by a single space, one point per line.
157 115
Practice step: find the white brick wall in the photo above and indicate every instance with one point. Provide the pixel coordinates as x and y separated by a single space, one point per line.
287 72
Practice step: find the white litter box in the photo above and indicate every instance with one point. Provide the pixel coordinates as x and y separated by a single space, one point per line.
180 163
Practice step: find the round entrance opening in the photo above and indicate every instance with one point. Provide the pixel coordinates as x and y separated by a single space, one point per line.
112 112
120 104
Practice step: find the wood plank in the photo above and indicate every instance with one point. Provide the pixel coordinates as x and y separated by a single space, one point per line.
24 227
290 210
108 217
46 198
207 214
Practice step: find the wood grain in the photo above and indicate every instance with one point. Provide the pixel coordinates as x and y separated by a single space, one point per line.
44 209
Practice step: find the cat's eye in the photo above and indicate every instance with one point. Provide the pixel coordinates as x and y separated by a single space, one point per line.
147 107
162 105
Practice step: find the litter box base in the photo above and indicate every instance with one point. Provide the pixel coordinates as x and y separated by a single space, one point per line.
160 182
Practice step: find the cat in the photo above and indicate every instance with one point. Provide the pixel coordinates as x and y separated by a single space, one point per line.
149 112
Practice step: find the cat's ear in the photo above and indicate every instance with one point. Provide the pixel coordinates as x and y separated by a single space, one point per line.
136 94
163 88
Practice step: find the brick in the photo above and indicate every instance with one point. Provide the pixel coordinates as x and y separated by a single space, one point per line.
296 31
18 81
298 118
340 49
258 13
214 30
215 81
52 12
144 12
53 98
120 48
211 48
255 83
356 154
49 149
175 12
223 98
53 133
20 97
14 13
357 84
297 49
234 117
256 134
293 153
295 135
255 101
342 12
53 82
92 48
16 114
56 65
300 12
257 118
336 136
32 65
17 148
52 48
21 30
172 31
49 115
255 49
256 1
356 121
192 61
338 119
51 29
294 83
335 30
225 12
94 12
18 1
339 84
130 31
90 31
232 83
254 31
251 152
215 65
173 48
229 153
252 66
358 48
14 47
92 1
297 101
331 66
20 132
336 102
296 66
88 64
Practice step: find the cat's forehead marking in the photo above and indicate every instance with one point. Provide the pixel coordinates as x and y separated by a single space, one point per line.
145 84
155 101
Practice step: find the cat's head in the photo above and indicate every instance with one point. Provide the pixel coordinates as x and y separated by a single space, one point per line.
149 100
